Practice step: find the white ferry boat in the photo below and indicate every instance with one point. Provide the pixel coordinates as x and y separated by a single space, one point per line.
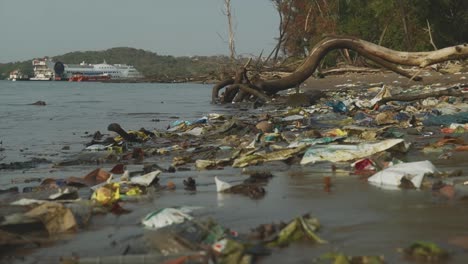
113 71
47 70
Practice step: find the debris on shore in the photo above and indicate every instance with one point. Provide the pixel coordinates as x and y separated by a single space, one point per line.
371 129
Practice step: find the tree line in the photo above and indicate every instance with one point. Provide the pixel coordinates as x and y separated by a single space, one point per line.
409 25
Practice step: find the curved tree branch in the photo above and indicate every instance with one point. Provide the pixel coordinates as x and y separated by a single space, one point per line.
218 87
386 57
421 59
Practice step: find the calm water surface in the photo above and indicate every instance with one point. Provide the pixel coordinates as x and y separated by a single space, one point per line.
74 109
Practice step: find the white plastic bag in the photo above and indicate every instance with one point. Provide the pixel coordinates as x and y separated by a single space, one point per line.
390 178
166 217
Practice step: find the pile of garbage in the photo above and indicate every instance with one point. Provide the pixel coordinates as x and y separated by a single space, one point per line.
368 129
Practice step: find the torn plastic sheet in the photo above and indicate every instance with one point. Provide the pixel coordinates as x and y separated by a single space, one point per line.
383 93
167 216
313 141
196 131
336 153
221 185
390 178
99 147
292 118
145 180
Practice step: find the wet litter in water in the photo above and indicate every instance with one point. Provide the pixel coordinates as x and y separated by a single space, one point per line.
351 140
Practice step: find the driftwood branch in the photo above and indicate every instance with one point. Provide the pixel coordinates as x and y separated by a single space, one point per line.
392 67
254 92
451 91
429 31
218 87
388 58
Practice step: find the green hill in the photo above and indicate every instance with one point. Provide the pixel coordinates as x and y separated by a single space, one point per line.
150 64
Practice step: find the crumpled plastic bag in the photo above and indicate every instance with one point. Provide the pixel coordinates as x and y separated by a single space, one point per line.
165 217
55 216
391 177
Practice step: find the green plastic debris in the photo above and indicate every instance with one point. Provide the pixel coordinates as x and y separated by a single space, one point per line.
426 251
234 252
298 229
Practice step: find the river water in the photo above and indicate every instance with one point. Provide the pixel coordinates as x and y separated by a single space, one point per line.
74 109
357 218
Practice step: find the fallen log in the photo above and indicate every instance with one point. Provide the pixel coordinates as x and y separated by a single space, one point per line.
347 69
451 91
388 58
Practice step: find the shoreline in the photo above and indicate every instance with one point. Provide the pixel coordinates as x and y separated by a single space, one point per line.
355 215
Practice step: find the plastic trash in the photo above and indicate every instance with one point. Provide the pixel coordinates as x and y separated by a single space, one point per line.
165 217
196 131
222 185
426 252
383 93
107 194
145 180
338 106
55 217
112 179
98 147
299 228
202 120
336 153
391 177
257 158
292 118
64 193
313 141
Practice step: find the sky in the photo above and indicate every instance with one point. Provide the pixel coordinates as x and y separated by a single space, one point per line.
37 28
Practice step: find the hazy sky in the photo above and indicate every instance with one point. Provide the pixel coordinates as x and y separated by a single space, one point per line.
36 28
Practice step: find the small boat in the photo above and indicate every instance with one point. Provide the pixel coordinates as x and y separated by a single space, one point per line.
86 78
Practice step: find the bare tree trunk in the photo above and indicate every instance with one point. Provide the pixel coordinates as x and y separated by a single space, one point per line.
232 48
